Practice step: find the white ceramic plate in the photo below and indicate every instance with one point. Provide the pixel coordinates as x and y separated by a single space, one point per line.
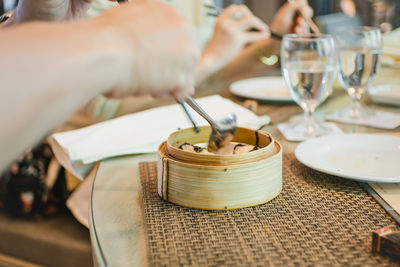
262 88
385 94
361 157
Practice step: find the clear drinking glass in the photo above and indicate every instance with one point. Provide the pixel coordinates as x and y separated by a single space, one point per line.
359 52
309 68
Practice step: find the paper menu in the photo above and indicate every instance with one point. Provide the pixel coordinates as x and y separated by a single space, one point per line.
390 193
388 196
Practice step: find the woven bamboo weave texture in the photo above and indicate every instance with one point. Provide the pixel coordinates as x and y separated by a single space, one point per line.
318 219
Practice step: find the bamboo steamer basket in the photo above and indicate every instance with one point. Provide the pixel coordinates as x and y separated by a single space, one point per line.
219 182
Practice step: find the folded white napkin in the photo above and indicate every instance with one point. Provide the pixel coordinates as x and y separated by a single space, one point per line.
292 133
381 119
140 132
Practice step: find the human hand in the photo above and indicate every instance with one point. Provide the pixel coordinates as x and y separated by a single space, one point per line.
160 54
287 19
50 10
230 36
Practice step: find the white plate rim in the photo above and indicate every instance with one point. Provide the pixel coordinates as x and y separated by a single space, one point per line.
378 89
359 178
239 92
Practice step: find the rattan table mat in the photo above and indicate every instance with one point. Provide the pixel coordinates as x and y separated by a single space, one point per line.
318 219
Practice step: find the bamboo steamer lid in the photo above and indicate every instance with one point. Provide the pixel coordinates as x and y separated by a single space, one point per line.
222 184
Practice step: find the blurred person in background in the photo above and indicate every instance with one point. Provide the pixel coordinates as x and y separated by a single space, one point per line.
7 5
378 13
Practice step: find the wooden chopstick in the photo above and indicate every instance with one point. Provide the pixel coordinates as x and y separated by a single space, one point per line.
309 21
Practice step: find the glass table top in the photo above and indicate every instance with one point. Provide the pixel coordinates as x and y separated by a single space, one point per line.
116 224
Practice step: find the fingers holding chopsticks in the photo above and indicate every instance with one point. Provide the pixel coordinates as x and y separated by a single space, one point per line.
301 26
305 13
232 33
292 18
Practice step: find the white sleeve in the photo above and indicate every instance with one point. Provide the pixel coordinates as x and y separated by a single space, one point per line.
101 108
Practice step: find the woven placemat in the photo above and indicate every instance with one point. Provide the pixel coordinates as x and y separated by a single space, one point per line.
318 219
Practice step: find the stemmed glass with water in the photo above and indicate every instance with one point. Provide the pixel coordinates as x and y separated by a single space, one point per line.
359 52
309 68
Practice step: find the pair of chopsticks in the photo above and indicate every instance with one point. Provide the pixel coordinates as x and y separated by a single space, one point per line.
180 102
215 11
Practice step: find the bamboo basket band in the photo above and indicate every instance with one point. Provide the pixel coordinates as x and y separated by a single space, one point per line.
318 219
210 178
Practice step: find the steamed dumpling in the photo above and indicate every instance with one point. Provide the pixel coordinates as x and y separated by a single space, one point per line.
231 148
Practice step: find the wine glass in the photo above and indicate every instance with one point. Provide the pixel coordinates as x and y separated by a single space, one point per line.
309 69
359 51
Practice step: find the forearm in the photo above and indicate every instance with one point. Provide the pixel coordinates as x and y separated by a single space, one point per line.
247 64
46 76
